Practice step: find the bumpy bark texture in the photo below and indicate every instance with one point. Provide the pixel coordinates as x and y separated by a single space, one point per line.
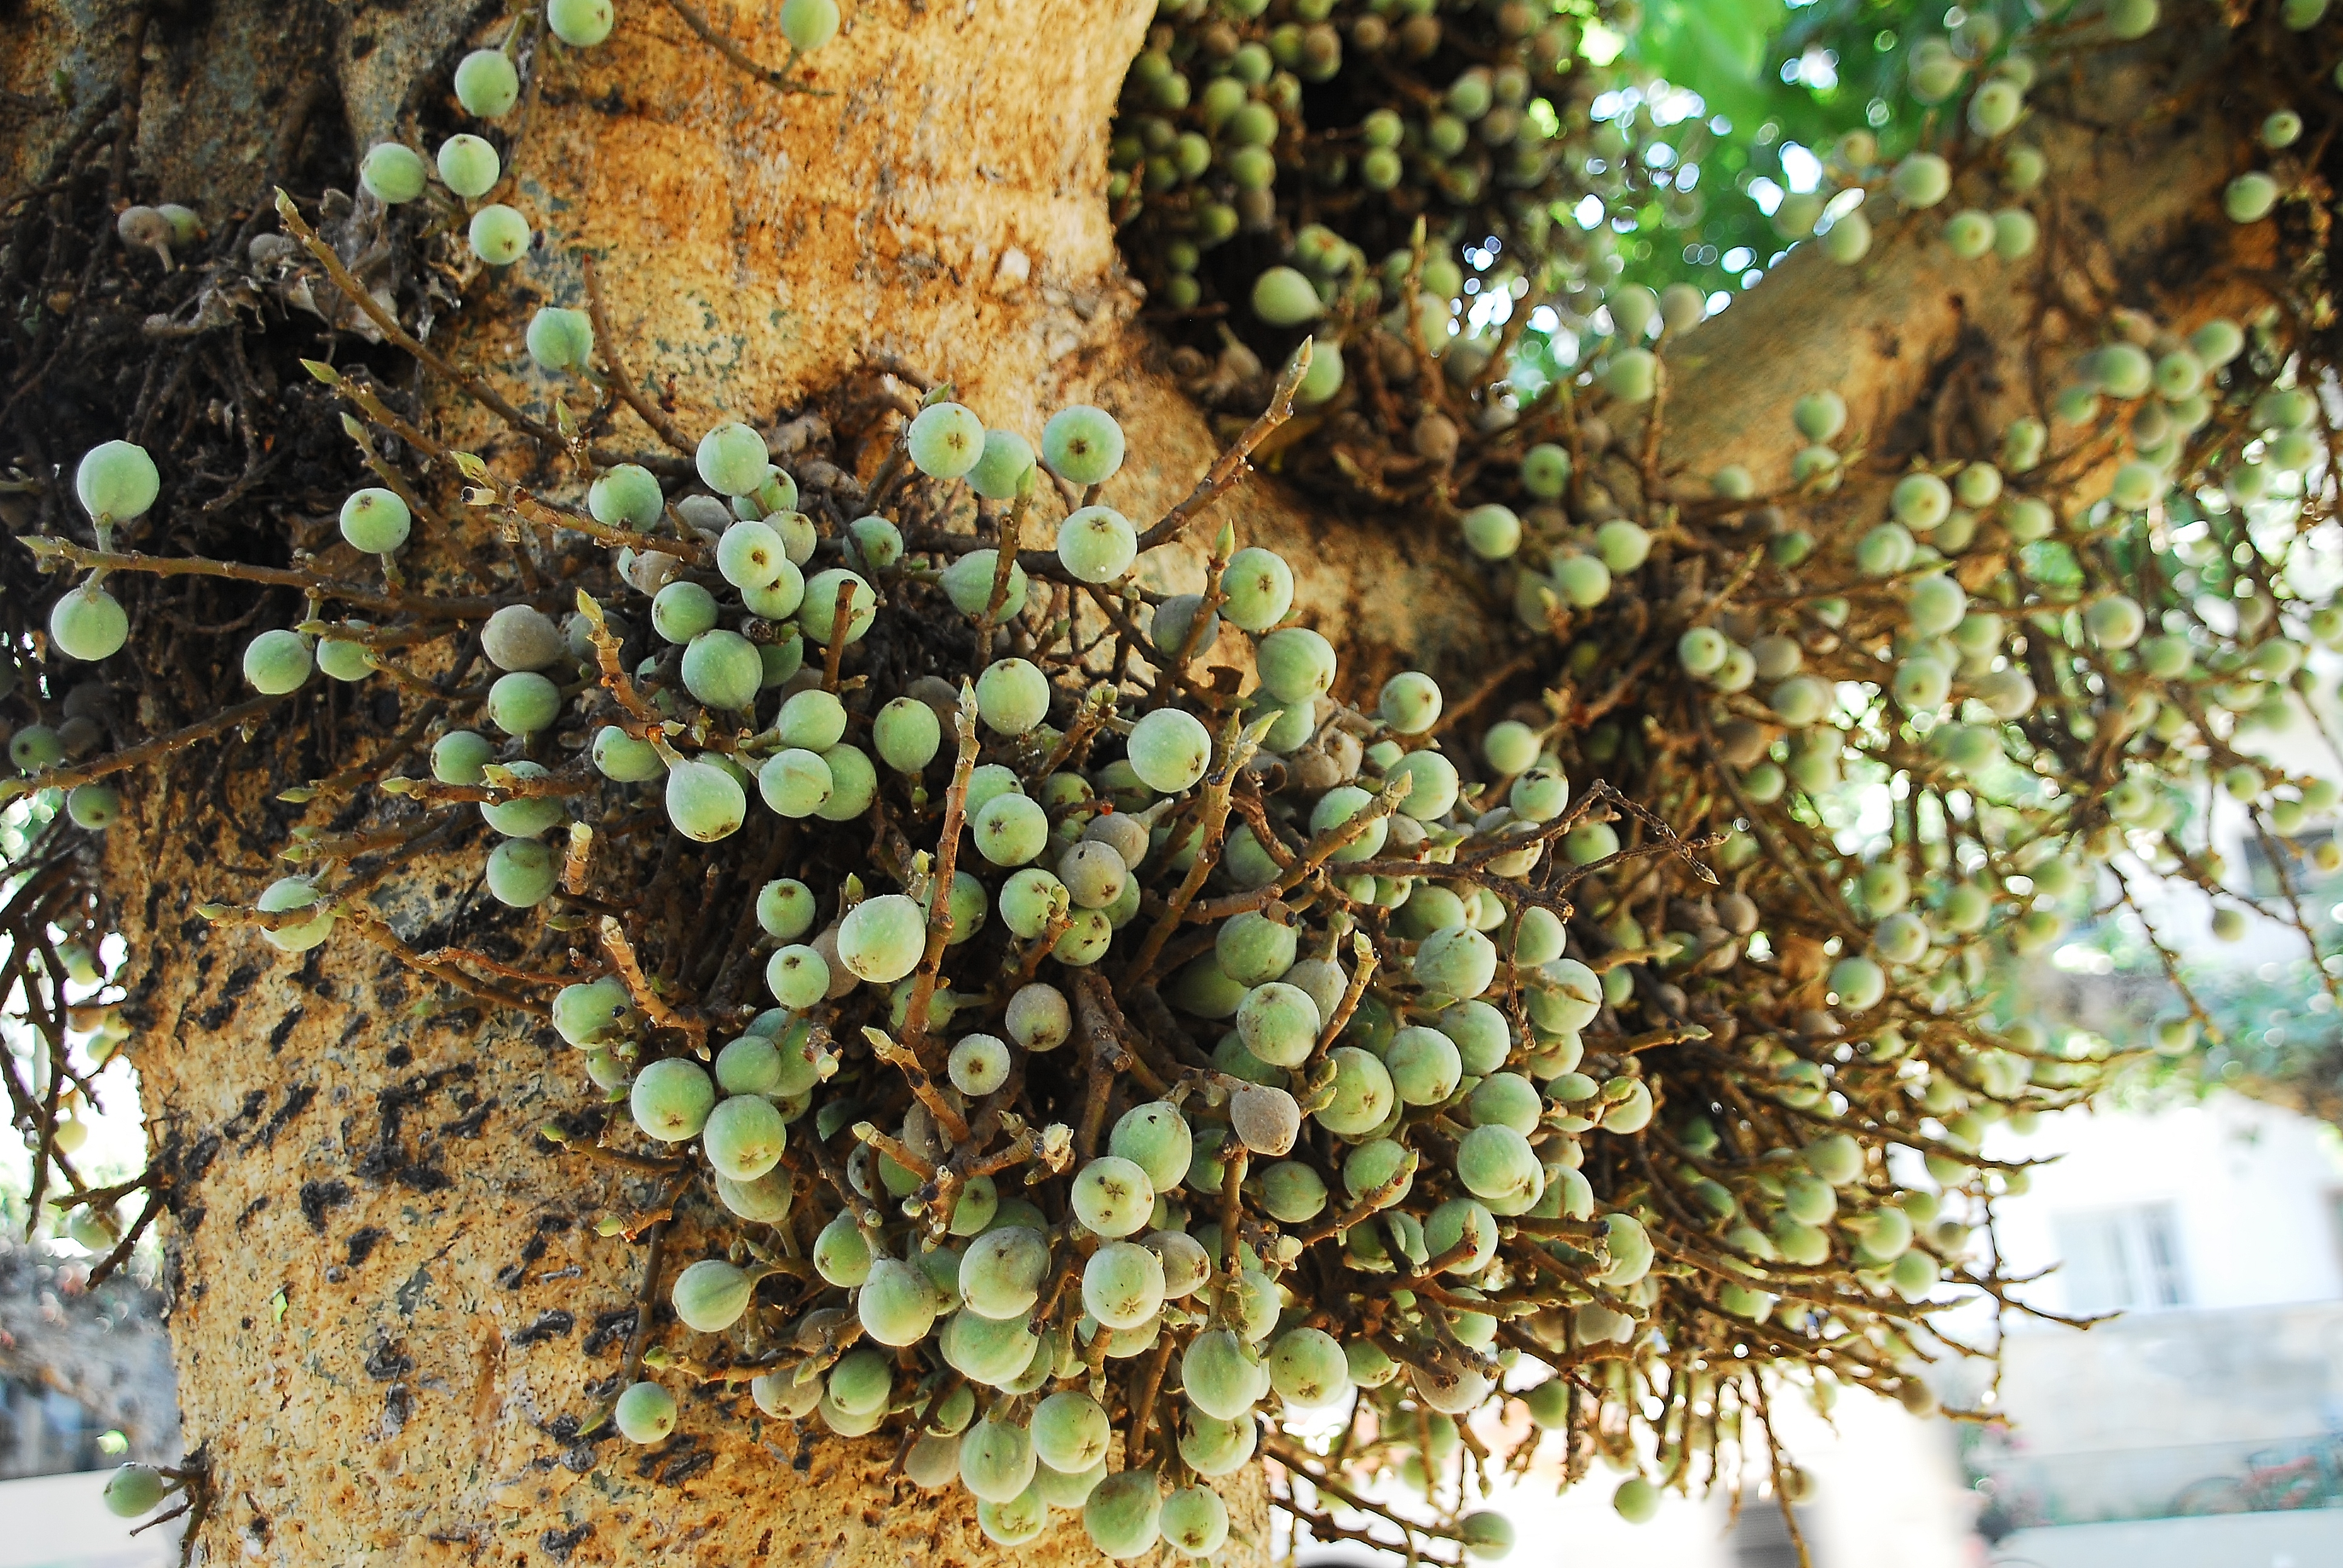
392 1308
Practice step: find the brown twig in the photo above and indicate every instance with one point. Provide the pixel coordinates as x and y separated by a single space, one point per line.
615 368
275 577
1230 465
145 751
739 58
939 888
358 295
953 1123
621 953
841 627
1236 749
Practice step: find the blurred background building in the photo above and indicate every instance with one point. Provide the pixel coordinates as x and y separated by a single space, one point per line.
2201 1428
85 1385
2205 1423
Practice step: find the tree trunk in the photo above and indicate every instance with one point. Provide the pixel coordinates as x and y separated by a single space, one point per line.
392 1306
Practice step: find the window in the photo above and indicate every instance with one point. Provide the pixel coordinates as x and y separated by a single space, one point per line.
1761 1540
2334 1223
2294 854
2121 1259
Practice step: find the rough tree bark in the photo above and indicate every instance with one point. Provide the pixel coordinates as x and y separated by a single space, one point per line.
390 1294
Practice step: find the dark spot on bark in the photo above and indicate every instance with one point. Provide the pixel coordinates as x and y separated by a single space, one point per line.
577 1126
512 1274
396 1402
317 1197
610 1328
388 1359
412 1290
246 1115
254 1207
239 980
679 1452
398 1056
363 1241
684 1466
362 45
283 1031
187 1166
548 1325
423 1178
562 1428
297 1100
468 1125
559 1543
388 1157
